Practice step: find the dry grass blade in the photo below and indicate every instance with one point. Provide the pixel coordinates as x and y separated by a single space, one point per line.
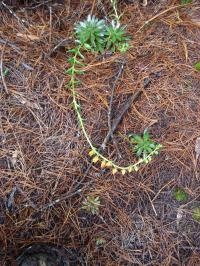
197 148
2 69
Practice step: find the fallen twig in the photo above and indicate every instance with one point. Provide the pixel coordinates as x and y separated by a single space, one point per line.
111 103
158 15
117 120
11 45
112 96
22 21
62 43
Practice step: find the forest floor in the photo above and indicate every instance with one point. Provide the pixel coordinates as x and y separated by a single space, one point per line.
44 174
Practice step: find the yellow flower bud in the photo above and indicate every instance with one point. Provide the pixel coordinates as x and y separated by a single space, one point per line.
123 171
109 163
136 168
103 164
91 153
130 169
114 171
95 159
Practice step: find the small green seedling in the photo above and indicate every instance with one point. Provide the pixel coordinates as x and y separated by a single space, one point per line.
197 66
91 204
100 241
143 145
196 214
123 47
180 195
90 33
116 38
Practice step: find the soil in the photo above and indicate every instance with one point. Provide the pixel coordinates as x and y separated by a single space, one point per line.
47 255
44 174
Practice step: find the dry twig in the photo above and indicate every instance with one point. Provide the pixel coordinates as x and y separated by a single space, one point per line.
118 119
21 21
111 104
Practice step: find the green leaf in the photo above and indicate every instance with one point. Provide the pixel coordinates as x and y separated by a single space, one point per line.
70 71
146 136
92 40
109 44
149 150
197 66
6 72
79 72
180 194
152 145
71 60
72 51
137 138
100 48
79 63
80 54
77 82
139 152
87 46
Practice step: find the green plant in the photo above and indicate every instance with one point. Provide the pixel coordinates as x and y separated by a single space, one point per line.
143 145
90 33
93 34
196 214
91 204
5 72
197 66
180 194
92 42
116 38
123 47
100 241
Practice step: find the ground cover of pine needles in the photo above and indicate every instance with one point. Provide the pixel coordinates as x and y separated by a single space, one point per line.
44 174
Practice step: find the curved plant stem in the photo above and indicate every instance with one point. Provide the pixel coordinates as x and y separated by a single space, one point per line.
97 156
75 103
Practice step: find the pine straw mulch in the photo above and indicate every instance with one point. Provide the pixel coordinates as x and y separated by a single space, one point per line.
43 154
